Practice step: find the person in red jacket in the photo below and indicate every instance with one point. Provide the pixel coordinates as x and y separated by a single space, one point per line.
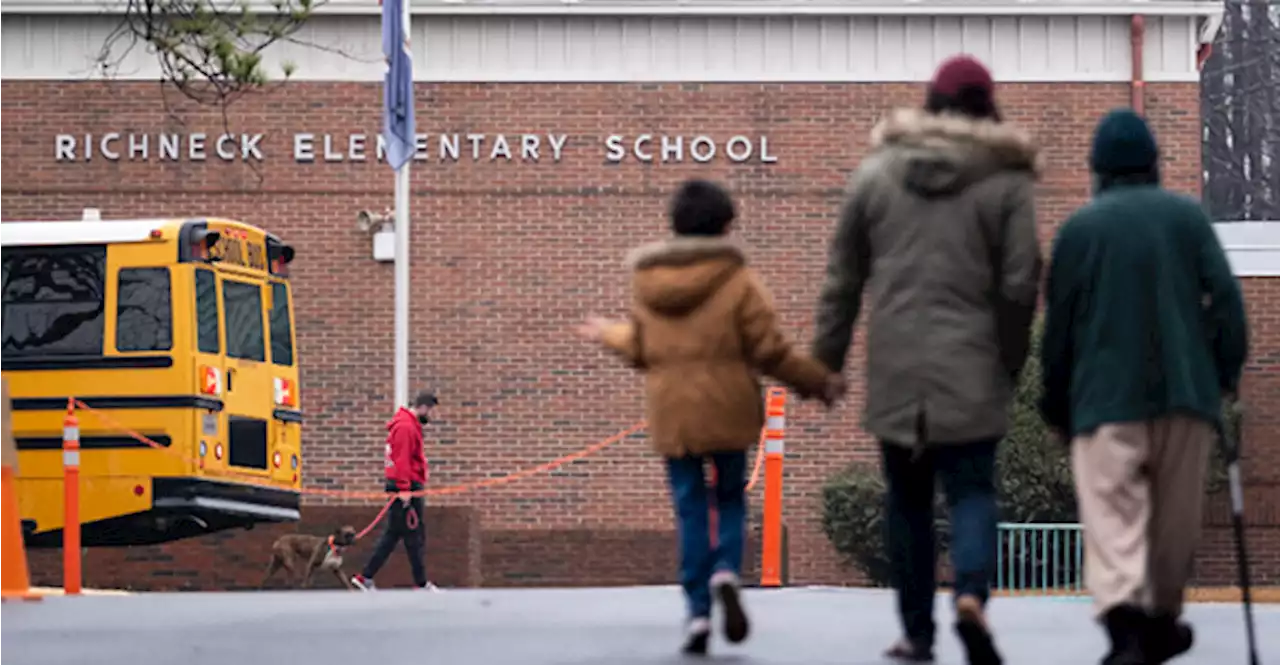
406 471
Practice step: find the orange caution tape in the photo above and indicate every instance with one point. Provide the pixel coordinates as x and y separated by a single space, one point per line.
759 463
439 491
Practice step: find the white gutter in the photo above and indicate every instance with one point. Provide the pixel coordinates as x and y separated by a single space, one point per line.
694 7
1210 28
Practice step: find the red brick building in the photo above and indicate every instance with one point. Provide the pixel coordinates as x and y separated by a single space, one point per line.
552 134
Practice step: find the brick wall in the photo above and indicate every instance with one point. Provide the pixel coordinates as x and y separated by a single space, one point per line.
507 256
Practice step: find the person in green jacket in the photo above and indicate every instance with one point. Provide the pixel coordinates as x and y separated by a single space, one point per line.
1145 333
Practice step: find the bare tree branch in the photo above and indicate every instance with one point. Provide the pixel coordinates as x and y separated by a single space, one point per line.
1240 110
211 51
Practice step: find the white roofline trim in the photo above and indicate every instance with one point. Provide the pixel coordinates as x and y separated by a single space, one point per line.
709 77
699 7
23 234
714 77
1253 248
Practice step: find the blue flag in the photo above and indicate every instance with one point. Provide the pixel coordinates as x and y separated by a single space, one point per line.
397 88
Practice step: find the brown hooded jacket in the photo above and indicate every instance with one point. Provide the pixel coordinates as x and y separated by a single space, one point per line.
702 327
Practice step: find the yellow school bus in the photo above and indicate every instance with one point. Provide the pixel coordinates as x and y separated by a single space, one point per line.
180 331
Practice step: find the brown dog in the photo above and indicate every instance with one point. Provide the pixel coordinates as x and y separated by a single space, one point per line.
301 554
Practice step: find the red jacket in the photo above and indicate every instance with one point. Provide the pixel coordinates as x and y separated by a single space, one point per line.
406 465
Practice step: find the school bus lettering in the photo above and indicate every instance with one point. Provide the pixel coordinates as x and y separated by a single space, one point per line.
240 252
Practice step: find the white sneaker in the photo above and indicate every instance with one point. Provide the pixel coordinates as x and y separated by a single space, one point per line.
362 583
431 587
696 635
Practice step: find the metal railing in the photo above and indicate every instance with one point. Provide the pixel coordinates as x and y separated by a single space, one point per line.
1040 559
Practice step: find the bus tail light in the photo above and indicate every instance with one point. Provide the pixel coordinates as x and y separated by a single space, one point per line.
202 243
279 256
277 459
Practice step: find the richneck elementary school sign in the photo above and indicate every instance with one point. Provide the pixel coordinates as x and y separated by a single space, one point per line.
439 148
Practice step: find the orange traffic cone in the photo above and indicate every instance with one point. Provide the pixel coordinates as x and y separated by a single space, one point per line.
15 583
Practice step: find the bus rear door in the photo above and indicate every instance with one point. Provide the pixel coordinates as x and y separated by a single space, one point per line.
248 388
241 268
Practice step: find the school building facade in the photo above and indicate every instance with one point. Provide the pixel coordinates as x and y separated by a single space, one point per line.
550 136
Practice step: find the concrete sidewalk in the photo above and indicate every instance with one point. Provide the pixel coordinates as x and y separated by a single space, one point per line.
798 626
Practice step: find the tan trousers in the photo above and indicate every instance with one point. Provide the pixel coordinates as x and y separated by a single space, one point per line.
1140 488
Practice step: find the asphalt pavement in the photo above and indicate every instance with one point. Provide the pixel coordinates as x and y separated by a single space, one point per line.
615 626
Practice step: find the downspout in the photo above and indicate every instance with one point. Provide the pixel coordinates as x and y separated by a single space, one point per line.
1137 84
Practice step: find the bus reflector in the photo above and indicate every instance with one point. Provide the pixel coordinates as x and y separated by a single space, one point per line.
211 380
284 393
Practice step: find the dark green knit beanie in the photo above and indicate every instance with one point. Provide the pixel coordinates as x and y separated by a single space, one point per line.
1122 144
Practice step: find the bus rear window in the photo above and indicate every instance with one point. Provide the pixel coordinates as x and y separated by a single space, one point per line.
243 305
143 319
281 326
54 300
207 312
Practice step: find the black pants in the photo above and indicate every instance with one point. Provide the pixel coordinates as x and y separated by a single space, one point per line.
967 472
399 519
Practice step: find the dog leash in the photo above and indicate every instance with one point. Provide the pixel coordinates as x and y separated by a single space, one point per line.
410 518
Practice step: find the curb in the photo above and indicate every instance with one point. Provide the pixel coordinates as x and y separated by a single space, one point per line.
57 591
1267 594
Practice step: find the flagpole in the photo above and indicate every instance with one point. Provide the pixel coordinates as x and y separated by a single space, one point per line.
402 286
402 260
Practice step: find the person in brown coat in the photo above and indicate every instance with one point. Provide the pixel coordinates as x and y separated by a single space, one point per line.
702 328
940 228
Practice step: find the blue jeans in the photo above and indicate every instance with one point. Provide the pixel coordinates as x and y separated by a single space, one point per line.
698 561
967 472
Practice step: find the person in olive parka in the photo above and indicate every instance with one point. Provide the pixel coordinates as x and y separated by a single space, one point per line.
1145 332
939 229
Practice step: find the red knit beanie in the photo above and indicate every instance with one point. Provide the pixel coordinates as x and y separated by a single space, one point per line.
963 85
960 72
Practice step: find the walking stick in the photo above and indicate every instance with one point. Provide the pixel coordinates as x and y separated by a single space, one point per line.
1231 456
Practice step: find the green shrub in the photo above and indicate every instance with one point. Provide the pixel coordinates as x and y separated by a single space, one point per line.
1232 423
853 519
1033 468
